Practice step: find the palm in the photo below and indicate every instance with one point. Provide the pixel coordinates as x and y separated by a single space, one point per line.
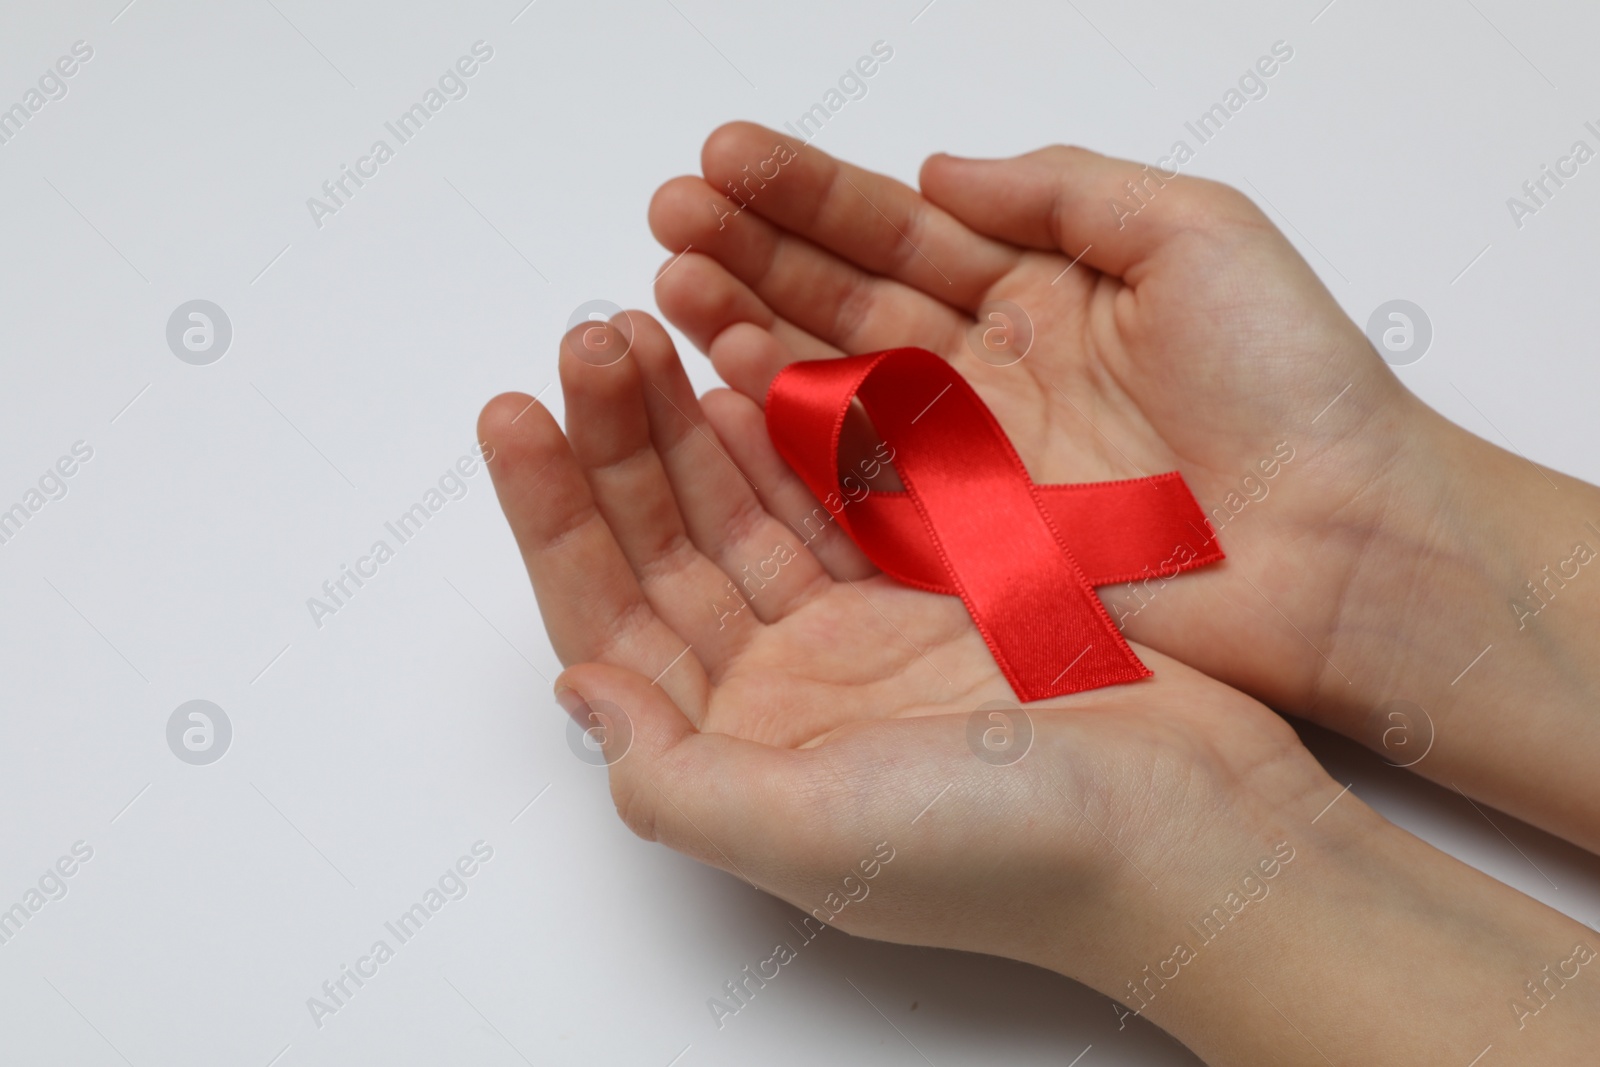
1115 383
871 649
860 649
1211 351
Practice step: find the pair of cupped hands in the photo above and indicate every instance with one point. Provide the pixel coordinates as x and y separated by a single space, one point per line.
782 736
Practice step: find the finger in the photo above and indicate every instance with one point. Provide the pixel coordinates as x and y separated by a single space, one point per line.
1116 214
769 564
748 358
747 343
700 297
610 433
723 800
592 606
835 301
881 225
741 426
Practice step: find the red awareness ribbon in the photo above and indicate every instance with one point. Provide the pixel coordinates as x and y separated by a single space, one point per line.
1024 558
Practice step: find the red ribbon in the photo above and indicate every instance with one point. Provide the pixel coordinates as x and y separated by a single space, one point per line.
1024 558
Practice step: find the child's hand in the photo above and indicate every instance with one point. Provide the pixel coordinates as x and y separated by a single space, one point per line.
1374 548
1188 336
1168 842
785 733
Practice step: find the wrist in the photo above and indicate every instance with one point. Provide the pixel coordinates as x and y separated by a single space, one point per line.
1363 944
1205 867
1479 585
1464 545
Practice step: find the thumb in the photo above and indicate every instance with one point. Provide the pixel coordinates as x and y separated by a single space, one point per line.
1115 213
714 797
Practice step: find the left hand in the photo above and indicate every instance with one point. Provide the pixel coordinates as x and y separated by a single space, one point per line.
784 730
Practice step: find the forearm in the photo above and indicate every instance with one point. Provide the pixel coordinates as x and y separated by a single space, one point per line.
1478 601
1365 946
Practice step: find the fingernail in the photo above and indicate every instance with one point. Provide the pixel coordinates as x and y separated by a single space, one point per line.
573 704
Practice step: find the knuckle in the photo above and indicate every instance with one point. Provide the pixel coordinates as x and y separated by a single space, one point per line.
1059 154
1215 202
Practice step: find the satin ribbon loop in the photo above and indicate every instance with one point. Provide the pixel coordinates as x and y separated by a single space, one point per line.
971 522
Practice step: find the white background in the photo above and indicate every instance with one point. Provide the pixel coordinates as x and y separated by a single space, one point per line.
370 754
